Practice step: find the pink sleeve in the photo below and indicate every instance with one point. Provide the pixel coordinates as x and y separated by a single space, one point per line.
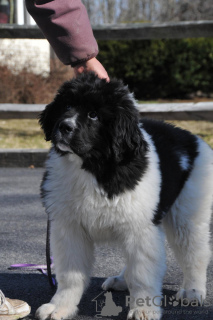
66 26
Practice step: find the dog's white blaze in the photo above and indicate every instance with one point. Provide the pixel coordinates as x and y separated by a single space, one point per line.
73 120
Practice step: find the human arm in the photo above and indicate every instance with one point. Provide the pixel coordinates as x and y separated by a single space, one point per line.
66 26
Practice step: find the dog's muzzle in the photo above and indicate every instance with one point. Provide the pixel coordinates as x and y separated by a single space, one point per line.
64 134
66 127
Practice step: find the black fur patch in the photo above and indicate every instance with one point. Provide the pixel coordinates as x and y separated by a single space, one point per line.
171 143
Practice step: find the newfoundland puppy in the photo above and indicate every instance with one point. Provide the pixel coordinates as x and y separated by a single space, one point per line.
113 177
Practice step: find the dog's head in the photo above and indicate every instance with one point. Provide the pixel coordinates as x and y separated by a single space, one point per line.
93 118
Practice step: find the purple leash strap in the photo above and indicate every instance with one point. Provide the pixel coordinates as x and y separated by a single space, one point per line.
41 267
29 266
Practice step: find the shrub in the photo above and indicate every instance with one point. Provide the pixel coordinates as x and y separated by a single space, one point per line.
161 68
27 87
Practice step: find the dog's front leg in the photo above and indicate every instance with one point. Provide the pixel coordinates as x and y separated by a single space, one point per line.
144 272
72 255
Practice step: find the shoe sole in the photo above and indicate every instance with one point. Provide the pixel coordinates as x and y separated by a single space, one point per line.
15 316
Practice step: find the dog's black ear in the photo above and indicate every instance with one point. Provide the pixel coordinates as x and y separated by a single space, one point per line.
48 118
127 138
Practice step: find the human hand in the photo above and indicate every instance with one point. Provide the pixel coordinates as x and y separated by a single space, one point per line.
92 65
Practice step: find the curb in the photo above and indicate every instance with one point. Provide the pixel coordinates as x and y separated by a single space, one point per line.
13 158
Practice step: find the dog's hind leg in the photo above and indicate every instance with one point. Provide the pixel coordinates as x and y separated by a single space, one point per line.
187 227
116 283
190 243
145 253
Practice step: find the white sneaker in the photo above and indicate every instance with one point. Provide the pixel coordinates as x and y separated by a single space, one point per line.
11 309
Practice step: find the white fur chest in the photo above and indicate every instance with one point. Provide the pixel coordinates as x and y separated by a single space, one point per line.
72 194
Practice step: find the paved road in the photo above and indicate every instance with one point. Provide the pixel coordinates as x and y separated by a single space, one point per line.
22 240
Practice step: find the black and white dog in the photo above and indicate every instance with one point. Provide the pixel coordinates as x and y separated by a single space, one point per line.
112 177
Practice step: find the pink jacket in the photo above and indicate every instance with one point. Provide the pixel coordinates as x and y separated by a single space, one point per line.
66 26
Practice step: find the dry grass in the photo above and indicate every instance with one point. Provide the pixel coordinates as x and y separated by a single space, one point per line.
24 134
27 133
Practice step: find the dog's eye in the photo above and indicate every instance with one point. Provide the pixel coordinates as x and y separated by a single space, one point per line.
93 115
68 108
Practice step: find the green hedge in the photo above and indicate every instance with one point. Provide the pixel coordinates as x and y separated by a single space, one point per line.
160 68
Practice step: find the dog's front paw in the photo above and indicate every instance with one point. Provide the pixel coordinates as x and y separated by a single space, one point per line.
45 311
50 311
144 314
63 313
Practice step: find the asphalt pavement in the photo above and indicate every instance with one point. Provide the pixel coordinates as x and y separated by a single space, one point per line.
22 240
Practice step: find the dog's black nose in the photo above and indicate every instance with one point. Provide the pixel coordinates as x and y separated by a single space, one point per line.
66 126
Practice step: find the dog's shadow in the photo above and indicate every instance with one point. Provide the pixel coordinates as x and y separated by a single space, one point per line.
34 288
